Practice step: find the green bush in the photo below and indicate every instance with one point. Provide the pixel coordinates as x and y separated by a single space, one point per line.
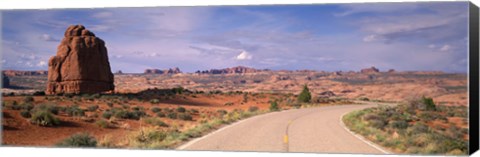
399 124
44 118
50 108
156 110
155 121
305 96
222 112
28 99
25 114
252 108
181 109
110 104
27 106
154 101
379 124
92 108
430 105
102 123
75 111
274 106
79 140
172 115
107 114
185 116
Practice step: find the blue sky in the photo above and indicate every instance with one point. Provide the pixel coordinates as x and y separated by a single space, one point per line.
329 37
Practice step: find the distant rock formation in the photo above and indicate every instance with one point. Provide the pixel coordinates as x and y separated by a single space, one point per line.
23 73
233 70
391 70
119 72
81 64
5 81
175 70
370 70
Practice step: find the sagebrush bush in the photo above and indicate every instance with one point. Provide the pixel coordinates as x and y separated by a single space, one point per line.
48 107
253 108
155 121
156 110
181 109
172 115
161 114
44 118
102 123
107 114
25 114
185 116
305 96
28 99
399 124
75 111
79 140
274 106
92 108
154 101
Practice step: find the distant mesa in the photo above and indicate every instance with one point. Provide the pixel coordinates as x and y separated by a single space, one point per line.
391 70
11 73
233 70
119 72
81 64
175 70
370 70
5 81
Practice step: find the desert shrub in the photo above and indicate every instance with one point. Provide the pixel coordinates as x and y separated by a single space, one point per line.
109 104
44 118
154 101
47 107
25 114
39 93
245 98
102 123
79 140
125 106
429 104
253 108
429 115
28 99
184 116
195 111
377 123
454 132
75 111
92 108
418 128
364 99
147 138
274 106
181 109
399 124
27 106
178 90
305 96
136 114
107 114
371 116
156 110
161 114
172 115
155 121
222 112
228 104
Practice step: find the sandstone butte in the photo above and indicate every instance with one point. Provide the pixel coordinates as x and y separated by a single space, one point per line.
81 64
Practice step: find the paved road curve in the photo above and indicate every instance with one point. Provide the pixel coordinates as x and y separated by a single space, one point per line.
301 130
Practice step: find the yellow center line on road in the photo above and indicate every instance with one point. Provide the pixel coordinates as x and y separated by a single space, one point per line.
285 139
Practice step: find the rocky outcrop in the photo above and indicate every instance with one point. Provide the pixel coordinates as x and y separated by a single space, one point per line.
175 70
24 73
119 72
81 64
5 81
370 70
233 70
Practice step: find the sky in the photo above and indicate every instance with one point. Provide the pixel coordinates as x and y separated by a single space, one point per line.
423 36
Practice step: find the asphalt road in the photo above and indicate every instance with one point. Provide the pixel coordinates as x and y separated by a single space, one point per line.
300 130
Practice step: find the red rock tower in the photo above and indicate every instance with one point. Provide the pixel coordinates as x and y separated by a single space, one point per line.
81 64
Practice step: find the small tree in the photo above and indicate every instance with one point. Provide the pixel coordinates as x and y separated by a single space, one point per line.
305 96
274 106
429 104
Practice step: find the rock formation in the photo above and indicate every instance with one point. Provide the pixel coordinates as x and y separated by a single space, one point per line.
370 70
175 70
81 64
233 70
5 81
24 73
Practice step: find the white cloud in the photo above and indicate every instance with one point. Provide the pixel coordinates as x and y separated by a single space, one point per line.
48 37
370 38
244 55
105 14
42 63
432 46
445 48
